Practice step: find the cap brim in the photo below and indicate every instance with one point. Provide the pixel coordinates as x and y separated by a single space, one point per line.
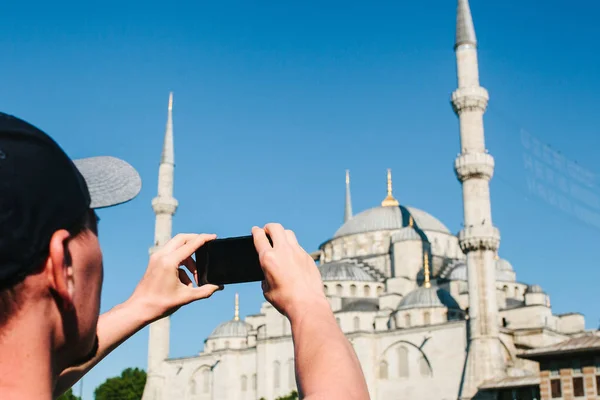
110 180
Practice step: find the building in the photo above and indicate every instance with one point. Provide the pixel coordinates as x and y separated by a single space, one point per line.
431 314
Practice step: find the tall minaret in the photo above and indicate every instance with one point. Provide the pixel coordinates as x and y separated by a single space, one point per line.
479 239
348 207
164 206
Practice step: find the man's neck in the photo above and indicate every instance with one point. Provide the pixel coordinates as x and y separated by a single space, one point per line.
26 358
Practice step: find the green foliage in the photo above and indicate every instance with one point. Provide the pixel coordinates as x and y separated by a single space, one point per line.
292 396
128 386
68 395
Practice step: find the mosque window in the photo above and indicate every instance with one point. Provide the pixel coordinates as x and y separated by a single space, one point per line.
338 322
367 290
424 367
338 289
578 389
427 318
325 289
353 290
291 373
403 362
407 320
383 370
205 380
254 381
276 374
356 323
244 383
379 290
505 288
555 388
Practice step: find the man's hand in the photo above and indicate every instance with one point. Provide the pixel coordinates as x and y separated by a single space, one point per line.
165 287
292 281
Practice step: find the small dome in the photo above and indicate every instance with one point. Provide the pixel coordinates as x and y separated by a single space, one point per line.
344 271
386 219
504 271
456 272
231 328
406 233
430 297
534 289
362 306
503 265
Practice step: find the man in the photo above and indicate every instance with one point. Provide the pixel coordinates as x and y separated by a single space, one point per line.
51 277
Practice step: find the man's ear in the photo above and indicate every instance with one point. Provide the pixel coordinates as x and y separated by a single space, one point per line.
59 268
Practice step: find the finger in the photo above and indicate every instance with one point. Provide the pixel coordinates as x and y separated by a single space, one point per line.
189 247
191 266
202 292
261 242
184 278
177 241
277 233
291 237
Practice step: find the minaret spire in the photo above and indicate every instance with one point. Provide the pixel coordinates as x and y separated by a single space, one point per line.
164 205
236 312
426 269
348 207
389 201
480 239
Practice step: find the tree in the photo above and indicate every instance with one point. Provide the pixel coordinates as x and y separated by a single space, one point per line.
292 396
68 395
128 386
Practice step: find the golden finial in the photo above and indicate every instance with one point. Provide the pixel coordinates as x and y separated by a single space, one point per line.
496 257
389 201
411 222
171 101
426 267
236 316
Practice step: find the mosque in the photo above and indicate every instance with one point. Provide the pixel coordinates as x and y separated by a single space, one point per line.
431 314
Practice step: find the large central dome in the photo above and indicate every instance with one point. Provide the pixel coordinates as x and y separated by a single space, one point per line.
388 218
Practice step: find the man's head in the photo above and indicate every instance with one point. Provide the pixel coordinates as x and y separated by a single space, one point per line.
50 258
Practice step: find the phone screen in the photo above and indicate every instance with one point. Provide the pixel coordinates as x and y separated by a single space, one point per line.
229 260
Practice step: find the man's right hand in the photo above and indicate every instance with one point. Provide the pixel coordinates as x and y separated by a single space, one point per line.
292 282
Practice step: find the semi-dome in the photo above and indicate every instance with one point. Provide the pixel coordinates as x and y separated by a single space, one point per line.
344 271
388 218
361 306
428 297
457 271
233 328
406 233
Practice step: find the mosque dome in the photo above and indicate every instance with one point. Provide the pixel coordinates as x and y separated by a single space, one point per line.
406 233
383 218
361 306
504 271
534 289
428 297
233 328
344 271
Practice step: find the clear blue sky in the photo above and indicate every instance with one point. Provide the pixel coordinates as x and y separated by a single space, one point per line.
273 101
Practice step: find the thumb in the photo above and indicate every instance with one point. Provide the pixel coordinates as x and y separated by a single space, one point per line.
202 292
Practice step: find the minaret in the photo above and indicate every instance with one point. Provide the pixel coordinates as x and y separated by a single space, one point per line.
236 311
479 239
348 208
164 206
427 283
389 201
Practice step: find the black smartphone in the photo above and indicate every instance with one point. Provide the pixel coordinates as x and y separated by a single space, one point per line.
229 260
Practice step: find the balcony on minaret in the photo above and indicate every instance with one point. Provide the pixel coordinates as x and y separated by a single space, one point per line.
474 98
479 237
164 205
474 165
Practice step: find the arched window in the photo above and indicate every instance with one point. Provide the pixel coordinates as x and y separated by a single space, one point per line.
353 290
505 288
424 367
427 318
276 374
338 322
407 320
339 289
367 290
325 289
383 370
379 290
254 381
403 362
205 381
356 323
244 383
291 373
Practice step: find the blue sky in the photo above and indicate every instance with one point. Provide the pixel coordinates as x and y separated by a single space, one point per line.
273 101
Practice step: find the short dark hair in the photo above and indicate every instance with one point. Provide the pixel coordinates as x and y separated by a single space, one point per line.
11 297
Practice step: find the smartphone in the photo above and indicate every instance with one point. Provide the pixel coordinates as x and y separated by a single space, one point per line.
229 260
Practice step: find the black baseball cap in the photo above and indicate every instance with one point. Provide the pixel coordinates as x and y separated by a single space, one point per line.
42 190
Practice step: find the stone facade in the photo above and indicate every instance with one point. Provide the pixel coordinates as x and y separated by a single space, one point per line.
431 314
